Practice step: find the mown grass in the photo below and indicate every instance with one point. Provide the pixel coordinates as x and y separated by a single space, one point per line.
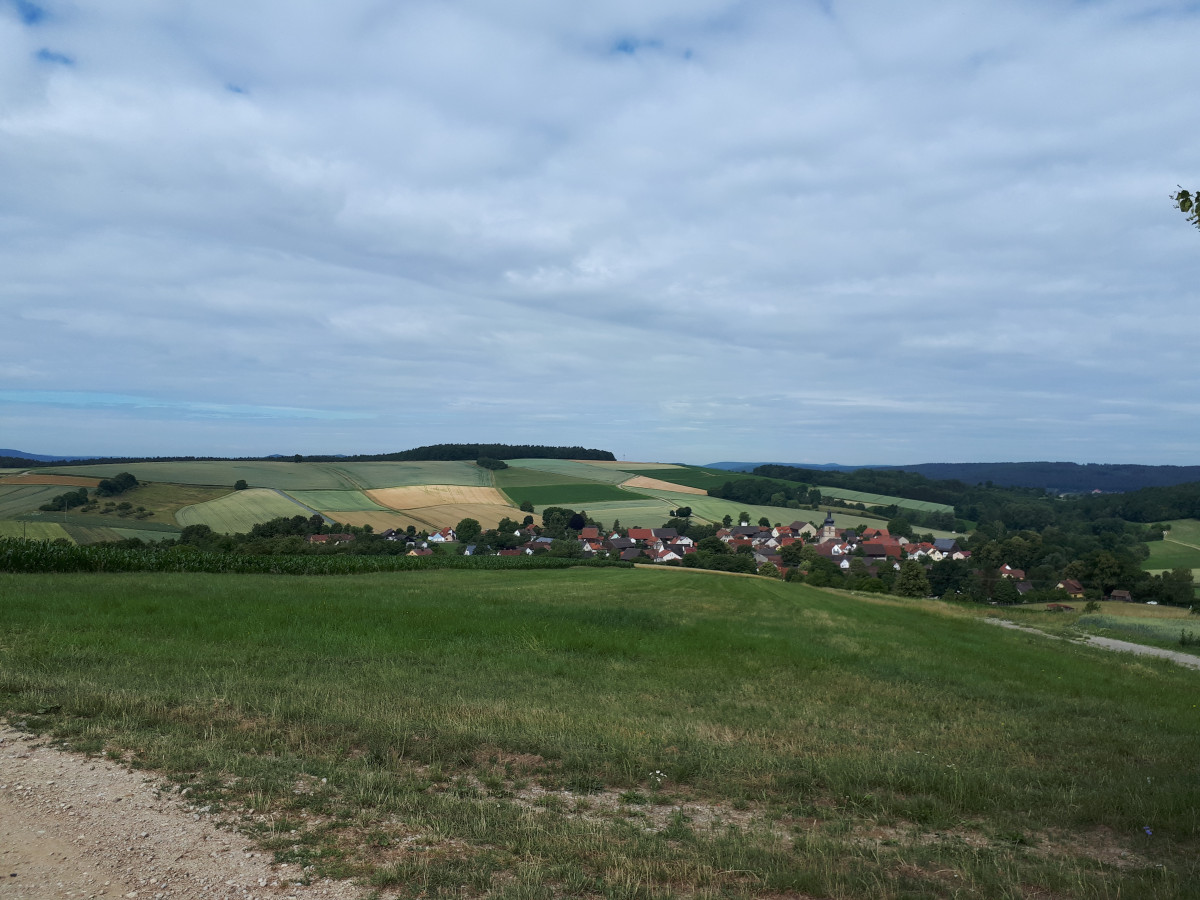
496 733
1168 554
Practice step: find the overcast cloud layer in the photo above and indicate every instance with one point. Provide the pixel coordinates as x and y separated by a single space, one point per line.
678 229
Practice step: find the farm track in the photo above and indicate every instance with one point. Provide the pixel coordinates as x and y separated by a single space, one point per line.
315 512
79 826
1183 659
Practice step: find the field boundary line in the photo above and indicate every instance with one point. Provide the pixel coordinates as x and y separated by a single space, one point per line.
316 512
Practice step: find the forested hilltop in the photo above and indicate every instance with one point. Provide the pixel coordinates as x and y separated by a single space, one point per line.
431 453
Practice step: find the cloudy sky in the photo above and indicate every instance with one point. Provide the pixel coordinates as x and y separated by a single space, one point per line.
687 230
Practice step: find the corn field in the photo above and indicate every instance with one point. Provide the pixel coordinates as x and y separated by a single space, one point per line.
19 555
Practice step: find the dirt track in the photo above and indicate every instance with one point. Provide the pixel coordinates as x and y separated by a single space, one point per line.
76 826
1183 659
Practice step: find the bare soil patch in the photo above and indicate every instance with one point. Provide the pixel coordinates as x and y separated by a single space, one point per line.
65 480
79 826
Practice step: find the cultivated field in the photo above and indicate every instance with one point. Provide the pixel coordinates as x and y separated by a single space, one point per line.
627 466
343 501
35 531
16 499
641 481
608 473
436 495
240 511
882 500
96 534
62 480
371 475
382 521
224 473
622 733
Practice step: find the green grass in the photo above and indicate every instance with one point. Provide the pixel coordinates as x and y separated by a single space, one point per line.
16 499
1179 549
503 729
342 501
1156 632
883 500
240 511
1168 554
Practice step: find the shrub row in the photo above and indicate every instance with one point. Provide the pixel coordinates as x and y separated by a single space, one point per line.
19 555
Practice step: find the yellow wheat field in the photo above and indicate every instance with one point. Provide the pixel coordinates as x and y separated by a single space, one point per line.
641 481
425 495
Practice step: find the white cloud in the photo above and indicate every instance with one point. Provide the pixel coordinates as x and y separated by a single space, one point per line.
885 228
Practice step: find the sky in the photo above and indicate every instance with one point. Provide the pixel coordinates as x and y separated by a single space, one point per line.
680 230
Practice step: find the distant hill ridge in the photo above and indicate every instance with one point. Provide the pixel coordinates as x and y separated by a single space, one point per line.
18 458
1060 477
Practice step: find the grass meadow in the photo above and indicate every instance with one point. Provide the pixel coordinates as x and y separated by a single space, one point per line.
622 733
606 472
1180 548
16 499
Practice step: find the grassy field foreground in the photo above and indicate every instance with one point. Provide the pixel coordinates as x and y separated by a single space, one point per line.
626 734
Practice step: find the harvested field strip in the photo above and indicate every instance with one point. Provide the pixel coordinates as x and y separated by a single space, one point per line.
572 469
64 480
22 498
343 501
240 511
419 497
35 531
382 521
641 481
486 514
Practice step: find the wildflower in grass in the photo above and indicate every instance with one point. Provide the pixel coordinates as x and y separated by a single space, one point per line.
1149 833
657 777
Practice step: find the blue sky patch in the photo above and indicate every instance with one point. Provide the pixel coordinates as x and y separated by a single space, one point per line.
50 56
629 45
30 13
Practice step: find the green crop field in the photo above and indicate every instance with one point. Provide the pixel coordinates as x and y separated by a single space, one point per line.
114 519
373 475
519 476
16 499
35 531
609 473
882 500
240 511
98 534
622 733
542 487
220 473
639 513
342 501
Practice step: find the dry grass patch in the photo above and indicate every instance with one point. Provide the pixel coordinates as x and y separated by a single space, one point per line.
654 484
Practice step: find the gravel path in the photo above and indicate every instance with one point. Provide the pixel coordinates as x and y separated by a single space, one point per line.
77 826
1183 659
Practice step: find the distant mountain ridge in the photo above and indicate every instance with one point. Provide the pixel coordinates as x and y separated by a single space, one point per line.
1060 477
38 457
